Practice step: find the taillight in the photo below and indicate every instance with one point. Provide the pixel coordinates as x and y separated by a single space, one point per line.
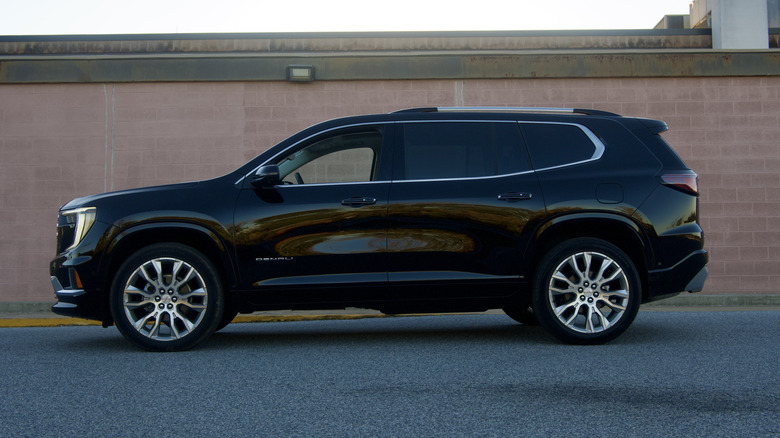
685 182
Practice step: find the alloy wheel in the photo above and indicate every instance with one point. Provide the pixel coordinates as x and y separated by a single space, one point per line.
588 292
165 299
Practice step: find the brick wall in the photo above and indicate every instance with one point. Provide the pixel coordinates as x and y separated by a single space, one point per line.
62 141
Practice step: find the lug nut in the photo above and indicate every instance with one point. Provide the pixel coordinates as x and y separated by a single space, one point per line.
174 299
170 291
170 306
596 294
157 298
161 306
582 297
590 300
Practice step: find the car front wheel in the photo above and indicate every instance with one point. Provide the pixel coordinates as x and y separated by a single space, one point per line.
167 297
586 291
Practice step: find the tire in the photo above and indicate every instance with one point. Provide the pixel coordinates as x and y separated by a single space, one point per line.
227 317
586 291
521 313
167 297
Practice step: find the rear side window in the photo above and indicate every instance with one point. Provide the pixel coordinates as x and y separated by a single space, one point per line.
435 150
662 150
552 145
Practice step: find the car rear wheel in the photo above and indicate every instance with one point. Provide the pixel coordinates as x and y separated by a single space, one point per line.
167 297
586 291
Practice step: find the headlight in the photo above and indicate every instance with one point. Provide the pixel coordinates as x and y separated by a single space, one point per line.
81 219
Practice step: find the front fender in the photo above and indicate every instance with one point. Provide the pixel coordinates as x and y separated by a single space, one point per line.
213 243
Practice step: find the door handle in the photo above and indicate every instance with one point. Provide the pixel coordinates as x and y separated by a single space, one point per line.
514 196
358 201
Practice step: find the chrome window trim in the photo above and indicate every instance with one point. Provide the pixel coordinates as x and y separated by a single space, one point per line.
397 181
332 184
597 144
597 153
463 178
254 170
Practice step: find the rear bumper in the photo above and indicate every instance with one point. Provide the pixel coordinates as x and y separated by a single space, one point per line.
697 283
688 275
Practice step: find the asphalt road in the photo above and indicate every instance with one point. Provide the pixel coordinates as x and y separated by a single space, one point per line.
672 374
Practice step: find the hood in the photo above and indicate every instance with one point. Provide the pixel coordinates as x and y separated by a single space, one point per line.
92 200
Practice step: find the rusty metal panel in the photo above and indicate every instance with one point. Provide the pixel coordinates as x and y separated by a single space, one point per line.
324 42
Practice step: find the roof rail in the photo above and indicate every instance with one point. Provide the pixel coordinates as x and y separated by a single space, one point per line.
417 110
507 109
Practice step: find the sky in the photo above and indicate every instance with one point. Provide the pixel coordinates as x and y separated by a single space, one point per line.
81 17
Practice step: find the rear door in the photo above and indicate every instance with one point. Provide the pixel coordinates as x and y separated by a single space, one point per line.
462 201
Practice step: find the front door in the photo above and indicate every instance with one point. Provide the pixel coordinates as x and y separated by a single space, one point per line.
324 225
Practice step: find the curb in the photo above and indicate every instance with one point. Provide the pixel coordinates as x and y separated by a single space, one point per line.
45 322
26 307
72 322
726 300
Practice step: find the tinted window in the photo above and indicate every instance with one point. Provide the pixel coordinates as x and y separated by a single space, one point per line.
553 145
347 157
462 150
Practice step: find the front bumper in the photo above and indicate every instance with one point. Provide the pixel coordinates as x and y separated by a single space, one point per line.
688 275
73 300
68 300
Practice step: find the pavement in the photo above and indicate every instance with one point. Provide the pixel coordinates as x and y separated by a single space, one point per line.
39 315
672 374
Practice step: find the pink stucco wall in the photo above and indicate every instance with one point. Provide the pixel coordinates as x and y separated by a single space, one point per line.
62 141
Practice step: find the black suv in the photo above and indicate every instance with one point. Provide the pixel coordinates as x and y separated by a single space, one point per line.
571 218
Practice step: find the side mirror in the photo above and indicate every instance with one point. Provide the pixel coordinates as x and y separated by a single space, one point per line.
266 177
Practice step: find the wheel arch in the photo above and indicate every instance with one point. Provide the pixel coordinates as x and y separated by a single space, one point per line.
202 239
616 229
